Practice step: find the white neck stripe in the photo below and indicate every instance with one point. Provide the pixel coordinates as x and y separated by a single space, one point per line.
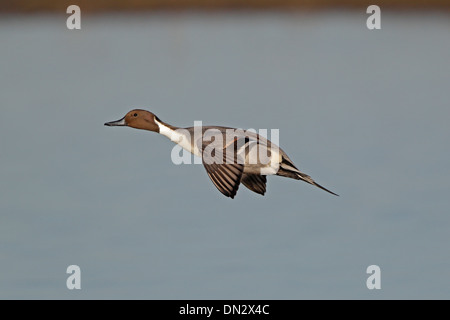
164 130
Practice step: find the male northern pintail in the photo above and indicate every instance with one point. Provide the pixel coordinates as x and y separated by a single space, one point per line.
230 156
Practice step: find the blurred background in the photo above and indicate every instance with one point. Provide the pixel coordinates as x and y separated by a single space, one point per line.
149 5
364 112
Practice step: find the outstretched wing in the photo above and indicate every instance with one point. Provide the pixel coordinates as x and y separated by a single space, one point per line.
226 177
222 167
254 182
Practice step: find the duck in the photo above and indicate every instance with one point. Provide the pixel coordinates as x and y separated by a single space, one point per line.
230 156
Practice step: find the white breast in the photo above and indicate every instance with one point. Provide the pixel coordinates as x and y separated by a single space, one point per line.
180 136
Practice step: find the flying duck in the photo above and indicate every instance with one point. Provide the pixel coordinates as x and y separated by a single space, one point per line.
230 156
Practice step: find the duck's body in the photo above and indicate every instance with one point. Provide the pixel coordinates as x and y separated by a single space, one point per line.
238 156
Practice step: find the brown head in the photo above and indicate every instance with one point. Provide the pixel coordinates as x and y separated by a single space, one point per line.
139 119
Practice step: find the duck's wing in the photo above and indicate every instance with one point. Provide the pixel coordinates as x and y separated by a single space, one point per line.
226 177
222 167
254 182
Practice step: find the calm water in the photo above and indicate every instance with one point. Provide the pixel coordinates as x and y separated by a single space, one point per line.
363 112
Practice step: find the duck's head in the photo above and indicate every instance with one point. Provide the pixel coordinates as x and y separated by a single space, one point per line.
139 119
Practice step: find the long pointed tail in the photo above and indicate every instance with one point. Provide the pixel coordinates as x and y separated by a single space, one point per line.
306 178
288 169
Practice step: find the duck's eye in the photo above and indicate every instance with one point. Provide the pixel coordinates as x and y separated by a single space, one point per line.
135 115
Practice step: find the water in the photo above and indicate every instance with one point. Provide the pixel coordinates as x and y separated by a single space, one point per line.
365 113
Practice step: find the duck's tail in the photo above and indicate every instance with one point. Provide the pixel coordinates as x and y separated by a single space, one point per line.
306 178
288 169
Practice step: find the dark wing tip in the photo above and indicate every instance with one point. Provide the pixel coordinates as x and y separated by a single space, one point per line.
255 183
226 177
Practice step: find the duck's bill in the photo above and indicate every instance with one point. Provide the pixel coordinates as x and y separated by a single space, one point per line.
120 122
